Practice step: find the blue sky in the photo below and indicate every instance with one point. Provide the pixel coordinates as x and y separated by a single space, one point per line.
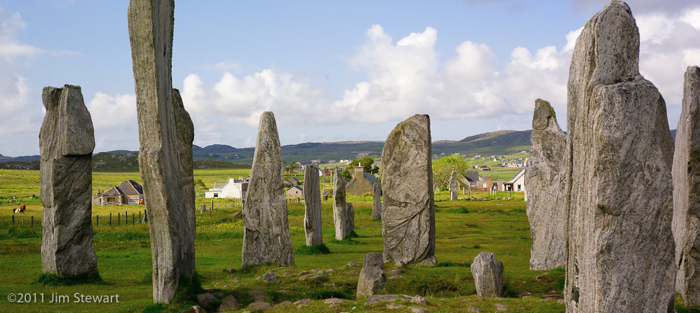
330 71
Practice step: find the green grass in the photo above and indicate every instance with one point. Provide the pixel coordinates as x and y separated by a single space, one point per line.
124 258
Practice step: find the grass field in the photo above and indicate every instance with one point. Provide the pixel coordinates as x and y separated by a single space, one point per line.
464 228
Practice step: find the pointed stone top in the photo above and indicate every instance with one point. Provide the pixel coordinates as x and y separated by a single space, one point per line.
544 116
609 44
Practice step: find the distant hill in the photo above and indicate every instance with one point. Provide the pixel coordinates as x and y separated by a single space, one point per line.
25 158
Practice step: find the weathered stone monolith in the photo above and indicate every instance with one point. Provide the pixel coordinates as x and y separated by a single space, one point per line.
66 142
408 217
686 191
312 205
454 185
266 237
544 176
164 134
488 275
372 278
620 255
376 201
343 212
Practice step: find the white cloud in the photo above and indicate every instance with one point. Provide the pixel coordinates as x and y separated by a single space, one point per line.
109 111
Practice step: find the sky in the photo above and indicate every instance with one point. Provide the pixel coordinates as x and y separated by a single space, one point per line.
329 70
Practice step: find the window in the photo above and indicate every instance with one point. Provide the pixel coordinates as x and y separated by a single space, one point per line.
519 188
216 195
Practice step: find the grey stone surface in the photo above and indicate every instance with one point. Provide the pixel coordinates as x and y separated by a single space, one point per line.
408 217
488 275
312 206
228 303
474 309
418 309
66 142
376 201
544 178
454 185
381 298
343 212
620 255
205 300
165 177
271 278
361 182
419 300
686 191
372 278
266 237
260 305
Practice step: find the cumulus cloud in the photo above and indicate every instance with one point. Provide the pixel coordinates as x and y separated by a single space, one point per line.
637 6
108 111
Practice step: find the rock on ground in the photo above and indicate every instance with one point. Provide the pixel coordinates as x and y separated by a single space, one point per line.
343 212
408 217
266 237
312 206
205 300
545 177
381 298
165 177
488 275
686 188
372 278
271 278
66 142
376 201
619 154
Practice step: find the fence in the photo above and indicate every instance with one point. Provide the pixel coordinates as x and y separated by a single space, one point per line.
110 219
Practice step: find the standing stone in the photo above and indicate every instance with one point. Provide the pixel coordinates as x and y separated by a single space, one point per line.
266 237
454 185
164 133
408 217
686 188
488 275
372 278
343 212
66 142
544 176
376 201
312 205
620 255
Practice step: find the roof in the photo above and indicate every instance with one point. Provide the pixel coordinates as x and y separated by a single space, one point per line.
131 188
472 176
371 178
114 191
520 173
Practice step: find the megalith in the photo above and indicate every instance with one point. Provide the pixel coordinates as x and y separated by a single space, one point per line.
620 255
544 176
408 217
376 201
488 275
686 191
454 185
312 206
66 142
164 133
343 212
372 278
266 238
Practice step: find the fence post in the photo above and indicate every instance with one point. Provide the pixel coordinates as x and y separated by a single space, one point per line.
133 218
126 216
110 219
98 220
139 215
119 218
13 219
32 221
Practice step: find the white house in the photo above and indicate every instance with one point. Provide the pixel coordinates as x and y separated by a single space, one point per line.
231 189
518 182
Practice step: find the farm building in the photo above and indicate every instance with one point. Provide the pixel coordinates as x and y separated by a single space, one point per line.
361 182
128 192
231 189
295 192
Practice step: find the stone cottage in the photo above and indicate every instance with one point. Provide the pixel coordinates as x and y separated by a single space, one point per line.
361 182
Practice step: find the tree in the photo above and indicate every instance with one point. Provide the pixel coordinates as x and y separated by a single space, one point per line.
442 169
365 162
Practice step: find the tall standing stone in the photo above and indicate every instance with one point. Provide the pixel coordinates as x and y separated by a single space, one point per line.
312 205
454 185
66 142
163 162
544 176
376 201
372 278
686 191
488 275
266 237
618 181
343 212
408 217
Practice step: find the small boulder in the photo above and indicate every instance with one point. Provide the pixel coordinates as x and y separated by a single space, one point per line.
501 307
353 264
474 309
488 275
229 303
310 276
418 309
271 278
372 278
260 305
198 309
419 300
205 300
393 306
396 271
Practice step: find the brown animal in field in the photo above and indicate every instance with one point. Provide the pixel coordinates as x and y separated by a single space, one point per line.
22 207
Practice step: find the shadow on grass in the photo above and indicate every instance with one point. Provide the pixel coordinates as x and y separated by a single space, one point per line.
311 250
348 240
55 280
185 298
